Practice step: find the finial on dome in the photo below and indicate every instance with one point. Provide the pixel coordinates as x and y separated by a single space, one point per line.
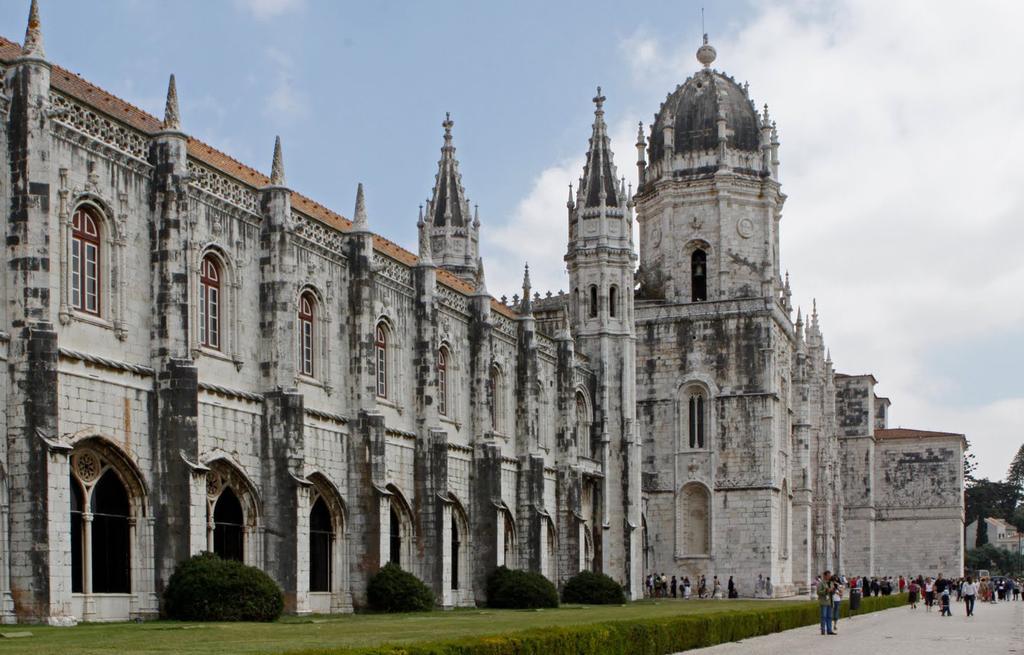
277 167
33 46
706 54
172 118
599 99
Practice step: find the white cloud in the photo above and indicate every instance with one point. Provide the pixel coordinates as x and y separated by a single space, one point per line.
902 150
264 9
285 100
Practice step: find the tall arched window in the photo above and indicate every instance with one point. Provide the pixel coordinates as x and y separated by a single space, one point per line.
497 392
456 546
784 519
85 261
613 301
210 276
381 348
321 546
583 425
101 526
229 527
395 555
593 301
699 275
509 545
696 419
307 314
695 520
442 381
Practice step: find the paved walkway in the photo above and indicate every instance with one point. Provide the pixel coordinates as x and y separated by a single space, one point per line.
993 630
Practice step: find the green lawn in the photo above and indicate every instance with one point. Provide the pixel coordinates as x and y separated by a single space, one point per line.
294 633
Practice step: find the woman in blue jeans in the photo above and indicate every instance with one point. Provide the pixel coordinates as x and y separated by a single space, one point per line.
837 598
824 591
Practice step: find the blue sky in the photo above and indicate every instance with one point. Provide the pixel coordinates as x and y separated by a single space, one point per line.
900 127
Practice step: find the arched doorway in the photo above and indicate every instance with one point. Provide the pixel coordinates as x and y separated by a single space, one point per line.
232 515
229 527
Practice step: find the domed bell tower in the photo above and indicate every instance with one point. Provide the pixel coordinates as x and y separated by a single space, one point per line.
709 200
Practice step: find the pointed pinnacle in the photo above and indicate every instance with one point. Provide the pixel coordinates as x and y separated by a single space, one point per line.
172 117
526 279
481 282
359 215
476 215
799 317
640 140
33 34
277 168
599 100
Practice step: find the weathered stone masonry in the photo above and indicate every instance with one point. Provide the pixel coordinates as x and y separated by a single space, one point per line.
201 359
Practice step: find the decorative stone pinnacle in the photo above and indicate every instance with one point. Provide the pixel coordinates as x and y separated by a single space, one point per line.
599 100
640 139
419 221
359 215
33 46
476 216
448 124
172 117
569 203
706 54
481 282
277 168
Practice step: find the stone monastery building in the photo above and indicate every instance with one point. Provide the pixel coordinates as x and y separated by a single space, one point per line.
200 359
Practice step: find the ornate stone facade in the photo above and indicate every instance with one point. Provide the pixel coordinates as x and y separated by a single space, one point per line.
201 359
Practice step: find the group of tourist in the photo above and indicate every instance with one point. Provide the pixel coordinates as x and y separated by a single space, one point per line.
659 585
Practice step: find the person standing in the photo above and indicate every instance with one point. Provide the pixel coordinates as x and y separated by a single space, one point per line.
686 588
929 594
824 592
673 586
732 588
769 590
969 590
702 588
915 591
945 601
837 599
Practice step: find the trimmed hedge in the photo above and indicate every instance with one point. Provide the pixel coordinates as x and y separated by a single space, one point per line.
208 588
393 590
513 589
638 637
591 588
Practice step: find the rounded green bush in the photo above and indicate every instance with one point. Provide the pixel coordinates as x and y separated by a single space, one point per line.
593 588
208 588
393 590
511 589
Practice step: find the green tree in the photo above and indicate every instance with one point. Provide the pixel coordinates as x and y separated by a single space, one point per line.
987 498
982 537
1015 475
970 463
1017 520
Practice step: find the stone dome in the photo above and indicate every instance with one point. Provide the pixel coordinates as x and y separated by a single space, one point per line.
693 109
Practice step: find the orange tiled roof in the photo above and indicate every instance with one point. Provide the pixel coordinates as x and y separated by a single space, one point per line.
96 98
907 433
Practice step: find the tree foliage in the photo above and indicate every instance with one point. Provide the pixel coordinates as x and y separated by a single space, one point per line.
986 498
1015 475
514 589
393 590
996 560
982 537
970 464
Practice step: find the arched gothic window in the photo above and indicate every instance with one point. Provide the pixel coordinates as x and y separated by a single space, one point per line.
229 527
210 302
321 546
509 538
456 548
101 527
699 275
613 301
583 423
85 261
442 381
593 301
694 520
497 392
696 414
307 333
382 360
784 520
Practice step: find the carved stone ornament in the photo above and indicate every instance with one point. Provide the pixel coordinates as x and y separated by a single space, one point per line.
214 484
87 466
745 228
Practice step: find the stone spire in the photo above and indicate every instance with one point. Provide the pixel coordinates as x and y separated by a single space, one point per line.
277 168
453 231
33 35
598 185
172 117
359 221
481 282
424 240
641 154
527 305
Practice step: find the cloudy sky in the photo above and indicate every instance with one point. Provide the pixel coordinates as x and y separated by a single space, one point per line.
902 129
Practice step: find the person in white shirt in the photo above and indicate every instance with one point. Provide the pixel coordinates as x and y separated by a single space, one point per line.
837 598
969 590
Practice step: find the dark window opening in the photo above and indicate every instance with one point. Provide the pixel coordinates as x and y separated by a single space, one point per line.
77 568
697 421
111 564
321 543
613 300
306 315
593 301
456 544
228 527
85 262
396 538
382 361
699 275
209 303
442 382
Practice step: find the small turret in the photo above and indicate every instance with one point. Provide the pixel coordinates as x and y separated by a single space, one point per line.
527 305
277 167
359 221
641 154
172 116
454 232
33 47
